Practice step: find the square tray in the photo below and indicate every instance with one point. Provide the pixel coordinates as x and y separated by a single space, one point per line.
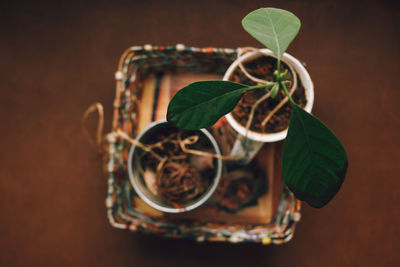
147 78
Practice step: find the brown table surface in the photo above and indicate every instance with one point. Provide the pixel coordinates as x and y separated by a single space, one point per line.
57 59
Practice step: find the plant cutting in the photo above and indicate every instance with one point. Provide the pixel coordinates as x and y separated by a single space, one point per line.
314 162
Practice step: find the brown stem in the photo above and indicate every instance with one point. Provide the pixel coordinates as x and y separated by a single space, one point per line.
242 51
191 140
253 109
146 148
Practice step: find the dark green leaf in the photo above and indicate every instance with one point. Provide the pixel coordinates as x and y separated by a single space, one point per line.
201 104
274 28
314 161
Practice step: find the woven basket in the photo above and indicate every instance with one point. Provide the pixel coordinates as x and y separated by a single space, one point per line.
124 210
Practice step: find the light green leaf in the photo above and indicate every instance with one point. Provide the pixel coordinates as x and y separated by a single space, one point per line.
274 28
201 104
275 90
314 161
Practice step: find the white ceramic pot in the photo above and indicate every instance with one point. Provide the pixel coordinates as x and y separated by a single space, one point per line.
139 184
304 77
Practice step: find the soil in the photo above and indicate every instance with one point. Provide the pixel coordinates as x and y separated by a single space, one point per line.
263 68
182 179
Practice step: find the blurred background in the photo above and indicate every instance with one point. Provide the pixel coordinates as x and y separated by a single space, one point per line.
58 57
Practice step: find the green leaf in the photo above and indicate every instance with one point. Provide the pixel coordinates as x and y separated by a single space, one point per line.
275 90
201 104
274 28
314 161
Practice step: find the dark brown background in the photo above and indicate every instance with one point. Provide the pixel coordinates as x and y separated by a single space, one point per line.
57 59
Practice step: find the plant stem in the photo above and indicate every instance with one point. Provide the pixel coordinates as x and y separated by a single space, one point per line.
278 67
282 84
259 86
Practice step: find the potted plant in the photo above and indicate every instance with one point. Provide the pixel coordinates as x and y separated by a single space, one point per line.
259 115
174 170
314 162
